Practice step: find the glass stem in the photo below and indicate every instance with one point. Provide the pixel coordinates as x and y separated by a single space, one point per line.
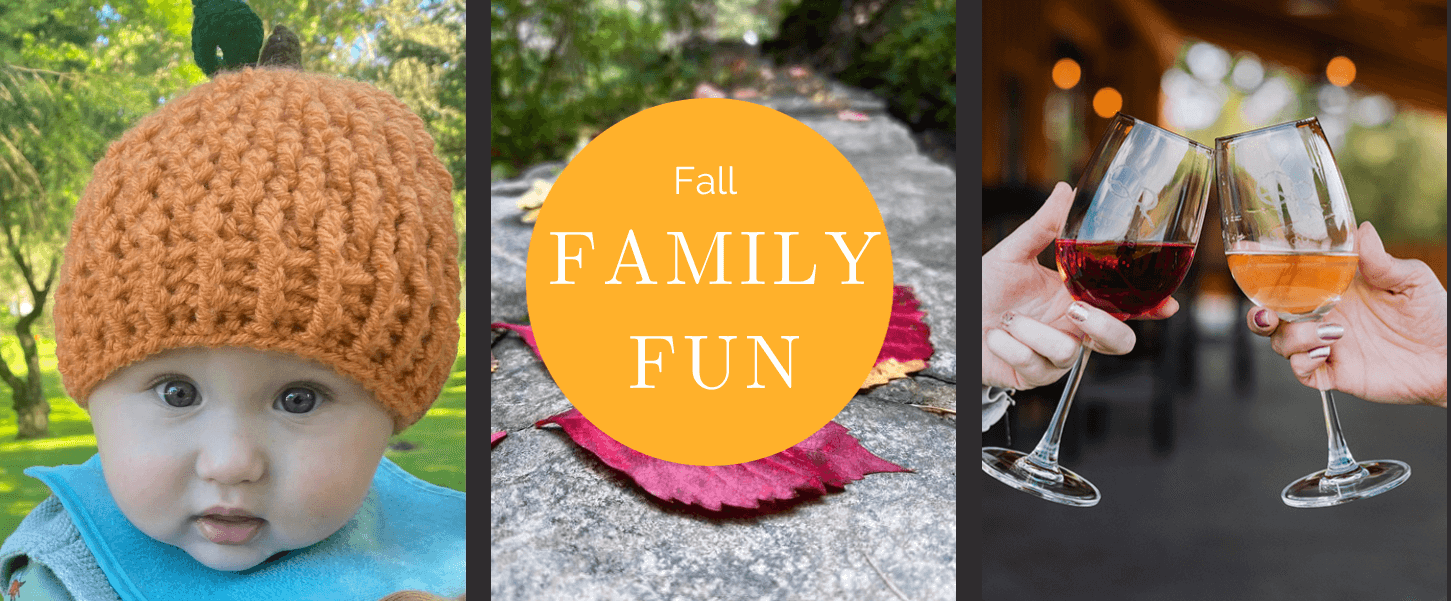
1340 462
1045 456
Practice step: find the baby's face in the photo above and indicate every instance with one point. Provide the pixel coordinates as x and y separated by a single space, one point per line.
287 447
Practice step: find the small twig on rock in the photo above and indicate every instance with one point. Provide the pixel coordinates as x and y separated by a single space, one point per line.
937 410
884 576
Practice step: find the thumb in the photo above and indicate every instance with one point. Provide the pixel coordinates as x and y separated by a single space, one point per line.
1038 232
1380 270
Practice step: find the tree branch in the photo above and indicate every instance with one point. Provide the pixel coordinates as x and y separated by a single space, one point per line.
49 279
20 261
45 71
10 378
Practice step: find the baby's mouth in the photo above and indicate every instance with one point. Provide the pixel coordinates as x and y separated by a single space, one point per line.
229 529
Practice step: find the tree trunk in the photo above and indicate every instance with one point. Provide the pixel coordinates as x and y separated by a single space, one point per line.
32 411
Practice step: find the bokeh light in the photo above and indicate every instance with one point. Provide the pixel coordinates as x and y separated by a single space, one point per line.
1191 102
1107 102
1373 111
1332 99
1066 73
1248 73
1340 71
1208 62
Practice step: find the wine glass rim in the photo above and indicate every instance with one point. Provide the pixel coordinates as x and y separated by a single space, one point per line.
1124 115
1267 128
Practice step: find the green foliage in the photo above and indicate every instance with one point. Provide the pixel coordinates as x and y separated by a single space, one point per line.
334 35
1396 176
916 62
563 69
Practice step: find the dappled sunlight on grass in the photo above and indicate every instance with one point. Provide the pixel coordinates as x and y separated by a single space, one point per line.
18 511
439 441
49 444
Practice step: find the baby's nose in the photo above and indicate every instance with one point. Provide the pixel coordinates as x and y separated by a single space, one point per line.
230 455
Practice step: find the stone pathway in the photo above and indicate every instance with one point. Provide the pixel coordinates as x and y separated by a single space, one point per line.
565 526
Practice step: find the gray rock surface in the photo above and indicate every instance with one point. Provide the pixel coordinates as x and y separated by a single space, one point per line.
565 526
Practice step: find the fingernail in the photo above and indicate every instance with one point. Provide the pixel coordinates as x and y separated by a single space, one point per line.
1008 318
1330 331
1077 312
1320 353
1262 318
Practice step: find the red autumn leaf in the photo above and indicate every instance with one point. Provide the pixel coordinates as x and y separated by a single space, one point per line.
907 346
496 437
745 93
831 456
850 115
525 332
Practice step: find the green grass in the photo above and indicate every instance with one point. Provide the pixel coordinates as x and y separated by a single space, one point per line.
437 457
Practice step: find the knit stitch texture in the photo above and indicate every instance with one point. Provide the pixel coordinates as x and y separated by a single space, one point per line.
276 210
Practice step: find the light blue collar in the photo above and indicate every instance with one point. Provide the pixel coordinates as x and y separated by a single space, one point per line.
408 535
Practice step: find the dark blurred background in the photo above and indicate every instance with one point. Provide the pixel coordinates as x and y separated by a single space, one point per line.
1192 436
565 70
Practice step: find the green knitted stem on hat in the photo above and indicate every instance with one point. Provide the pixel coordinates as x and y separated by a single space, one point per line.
228 25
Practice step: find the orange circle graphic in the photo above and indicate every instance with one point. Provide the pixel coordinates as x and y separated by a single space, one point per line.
658 293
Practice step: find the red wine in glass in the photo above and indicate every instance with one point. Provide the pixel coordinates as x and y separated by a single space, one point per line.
1125 247
1125 279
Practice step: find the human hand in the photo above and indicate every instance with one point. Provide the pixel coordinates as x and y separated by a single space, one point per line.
1031 326
1388 332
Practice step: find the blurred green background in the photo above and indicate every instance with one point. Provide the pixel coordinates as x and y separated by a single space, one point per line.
563 71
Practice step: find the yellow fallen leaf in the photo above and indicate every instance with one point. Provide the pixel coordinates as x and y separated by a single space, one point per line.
533 200
892 369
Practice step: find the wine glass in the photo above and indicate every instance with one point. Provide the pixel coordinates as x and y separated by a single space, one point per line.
1128 241
1289 236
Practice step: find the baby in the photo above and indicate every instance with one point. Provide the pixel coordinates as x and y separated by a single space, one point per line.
261 287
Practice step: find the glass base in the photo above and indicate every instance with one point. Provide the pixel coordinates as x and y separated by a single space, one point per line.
1371 479
1058 485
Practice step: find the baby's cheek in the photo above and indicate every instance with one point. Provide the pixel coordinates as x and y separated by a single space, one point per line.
333 490
140 470
147 489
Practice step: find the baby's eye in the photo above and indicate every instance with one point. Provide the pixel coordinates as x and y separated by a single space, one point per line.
177 393
298 400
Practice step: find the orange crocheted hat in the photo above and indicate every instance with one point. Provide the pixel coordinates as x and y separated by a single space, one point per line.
276 210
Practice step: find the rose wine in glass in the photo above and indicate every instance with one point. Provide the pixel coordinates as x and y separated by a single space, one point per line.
1126 246
1289 237
1293 284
